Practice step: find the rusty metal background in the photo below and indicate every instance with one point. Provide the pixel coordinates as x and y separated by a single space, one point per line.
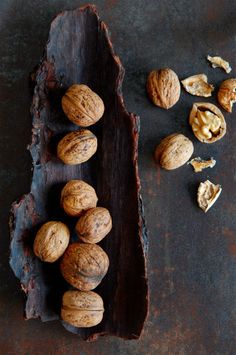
192 255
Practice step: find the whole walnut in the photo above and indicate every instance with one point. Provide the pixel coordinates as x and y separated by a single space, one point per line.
82 309
77 147
94 225
51 241
82 106
163 87
84 265
78 196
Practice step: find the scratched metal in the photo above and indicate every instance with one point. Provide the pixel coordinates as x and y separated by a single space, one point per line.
192 256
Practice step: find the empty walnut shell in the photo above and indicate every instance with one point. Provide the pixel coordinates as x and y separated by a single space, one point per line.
77 147
78 196
227 94
51 241
82 309
84 265
94 225
82 105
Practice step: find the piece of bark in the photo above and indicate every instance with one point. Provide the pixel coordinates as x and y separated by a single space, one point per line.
79 50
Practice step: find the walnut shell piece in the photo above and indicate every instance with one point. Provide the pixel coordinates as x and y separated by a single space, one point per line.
82 105
51 241
207 122
227 94
82 309
77 147
94 225
163 87
218 62
207 194
198 164
174 151
78 196
198 85
84 265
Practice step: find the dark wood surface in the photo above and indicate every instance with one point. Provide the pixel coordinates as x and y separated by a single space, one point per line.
191 257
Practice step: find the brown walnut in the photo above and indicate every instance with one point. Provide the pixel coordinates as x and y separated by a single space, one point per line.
51 241
94 225
82 309
77 147
78 196
84 265
227 94
82 105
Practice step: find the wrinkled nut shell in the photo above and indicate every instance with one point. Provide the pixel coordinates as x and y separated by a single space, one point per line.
78 196
84 265
51 241
82 309
174 151
205 106
163 87
77 147
227 94
82 106
94 225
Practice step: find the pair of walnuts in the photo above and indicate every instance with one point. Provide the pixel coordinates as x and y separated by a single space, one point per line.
83 264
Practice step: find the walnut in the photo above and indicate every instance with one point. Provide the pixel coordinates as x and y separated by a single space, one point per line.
207 121
174 151
218 62
82 106
163 87
84 265
198 164
51 241
227 94
82 309
207 194
197 85
77 147
78 196
94 225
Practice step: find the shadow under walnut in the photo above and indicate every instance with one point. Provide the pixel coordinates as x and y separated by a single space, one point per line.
79 51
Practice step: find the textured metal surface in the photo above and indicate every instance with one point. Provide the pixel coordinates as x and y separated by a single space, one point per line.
192 265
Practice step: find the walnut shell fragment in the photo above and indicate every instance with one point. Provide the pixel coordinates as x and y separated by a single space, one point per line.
227 94
198 164
207 194
218 62
84 265
198 85
173 151
207 122
82 309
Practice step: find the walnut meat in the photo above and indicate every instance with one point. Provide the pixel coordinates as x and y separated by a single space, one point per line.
198 85
174 151
82 309
207 194
94 225
163 87
227 94
78 196
51 241
207 121
77 147
82 106
84 265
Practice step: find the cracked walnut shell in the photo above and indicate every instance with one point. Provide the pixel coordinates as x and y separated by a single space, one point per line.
82 105
163 87
174 151
77 147
227 94
198 85
207 122
94 225
82 309
77 196
84 265
51 241
207 194
218 62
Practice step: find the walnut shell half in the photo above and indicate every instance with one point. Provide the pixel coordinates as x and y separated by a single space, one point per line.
82 309
84 265
227 94
207 122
